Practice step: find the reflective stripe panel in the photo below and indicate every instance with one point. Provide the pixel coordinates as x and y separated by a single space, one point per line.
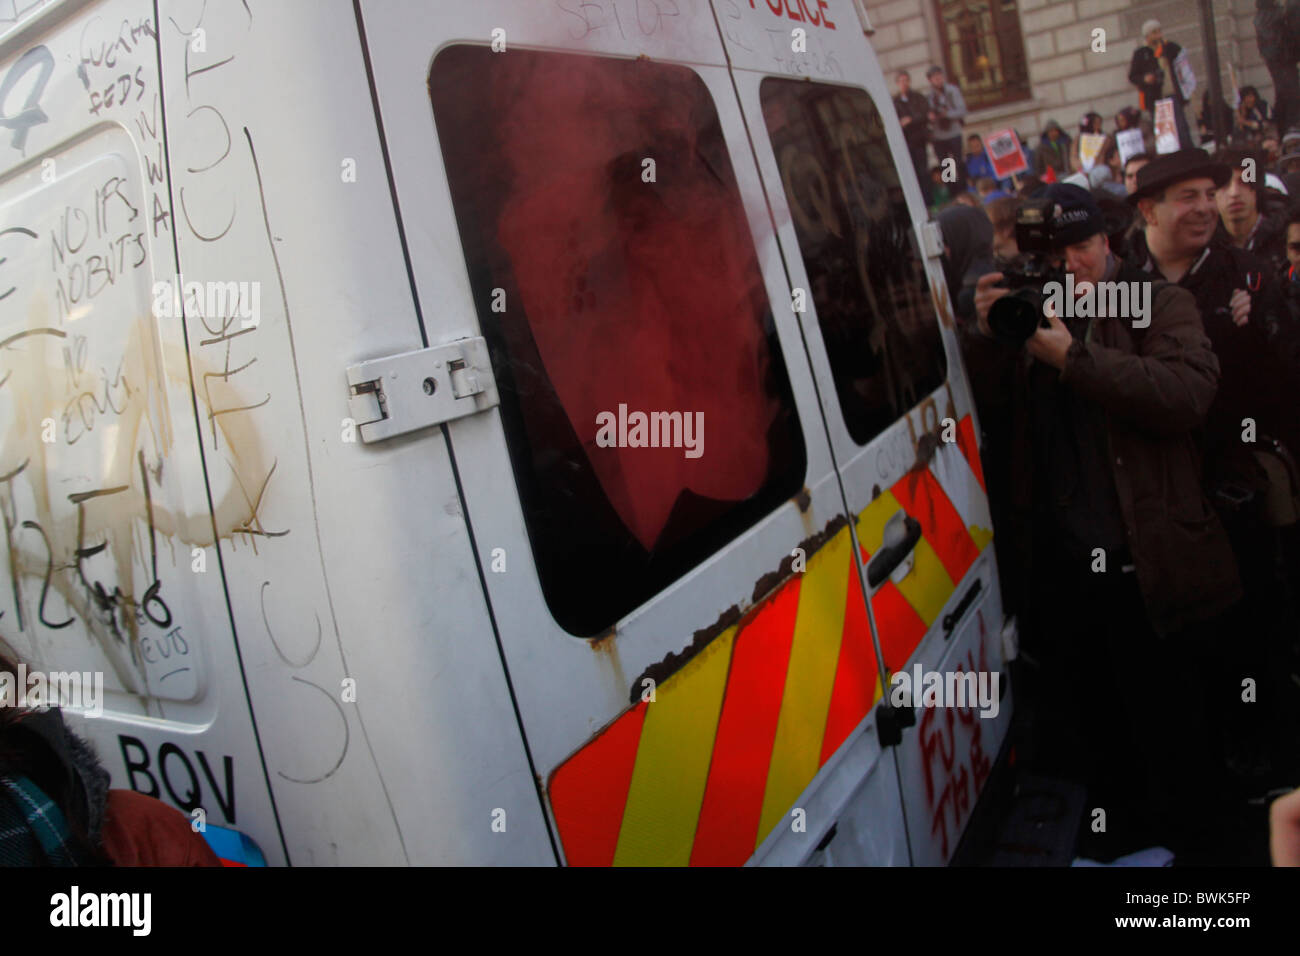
856 675
927 586
672 763
589 792
924 499
958 482
733 801
970 449
901 628
706 772
818 628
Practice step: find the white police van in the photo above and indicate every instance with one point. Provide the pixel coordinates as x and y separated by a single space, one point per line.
489 431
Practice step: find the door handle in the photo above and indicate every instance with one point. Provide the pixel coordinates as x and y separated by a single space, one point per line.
902 531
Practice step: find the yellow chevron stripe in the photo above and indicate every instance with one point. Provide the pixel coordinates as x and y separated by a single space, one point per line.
871 523
672 761
814 653
927 587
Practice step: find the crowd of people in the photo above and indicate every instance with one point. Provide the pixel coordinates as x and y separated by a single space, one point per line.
1142 467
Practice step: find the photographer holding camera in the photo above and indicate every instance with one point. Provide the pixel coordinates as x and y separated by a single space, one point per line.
1122 557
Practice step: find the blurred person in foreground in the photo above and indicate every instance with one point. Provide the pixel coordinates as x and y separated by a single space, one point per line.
1284 829
968 254
56 808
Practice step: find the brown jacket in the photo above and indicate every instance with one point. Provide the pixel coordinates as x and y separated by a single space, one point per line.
142 831
1154 387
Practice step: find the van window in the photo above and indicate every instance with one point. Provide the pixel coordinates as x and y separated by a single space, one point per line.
859 250
646 407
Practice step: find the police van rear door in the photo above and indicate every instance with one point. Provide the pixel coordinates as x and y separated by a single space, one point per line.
880 335
110 576
657 516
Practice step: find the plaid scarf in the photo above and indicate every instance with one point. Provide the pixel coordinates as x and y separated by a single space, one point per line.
33 830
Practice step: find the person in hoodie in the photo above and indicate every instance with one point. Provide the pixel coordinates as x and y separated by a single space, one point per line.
968 254
1053 153
977 163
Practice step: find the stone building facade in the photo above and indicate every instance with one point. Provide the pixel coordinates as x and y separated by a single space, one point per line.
998 44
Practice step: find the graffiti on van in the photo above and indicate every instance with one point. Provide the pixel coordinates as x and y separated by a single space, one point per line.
953 780
637 17
41 60
98 535
812 58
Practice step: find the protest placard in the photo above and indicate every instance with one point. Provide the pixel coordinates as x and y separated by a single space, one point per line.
1005 154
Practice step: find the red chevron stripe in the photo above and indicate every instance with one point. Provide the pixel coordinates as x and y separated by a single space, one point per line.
924 499
589 792
970 449
854 690
733 799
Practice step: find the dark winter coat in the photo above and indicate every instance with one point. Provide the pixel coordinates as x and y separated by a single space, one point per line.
56 808
1153 388
1054 155
1268 240
968 234
1254 382
917 132
1145 61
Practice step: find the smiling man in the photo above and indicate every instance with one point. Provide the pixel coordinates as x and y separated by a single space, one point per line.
1178 201
1179 197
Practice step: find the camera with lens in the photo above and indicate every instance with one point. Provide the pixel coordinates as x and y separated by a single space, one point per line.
1013 318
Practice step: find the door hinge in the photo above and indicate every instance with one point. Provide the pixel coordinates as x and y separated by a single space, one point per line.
404 393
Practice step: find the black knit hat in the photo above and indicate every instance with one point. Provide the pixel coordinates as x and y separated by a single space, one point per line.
1075 214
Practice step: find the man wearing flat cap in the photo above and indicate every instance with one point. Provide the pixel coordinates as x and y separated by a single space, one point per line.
1123 557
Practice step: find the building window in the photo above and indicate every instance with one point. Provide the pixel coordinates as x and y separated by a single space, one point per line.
984 51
